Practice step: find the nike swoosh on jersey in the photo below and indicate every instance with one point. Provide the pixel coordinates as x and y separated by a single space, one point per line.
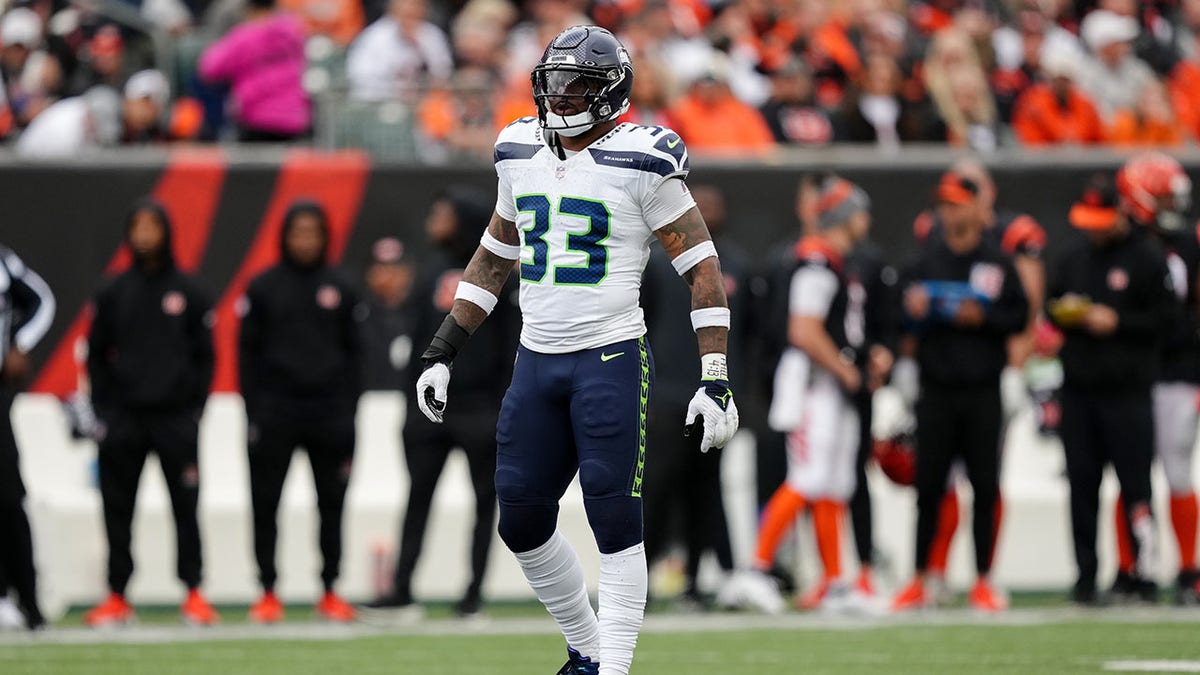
671 144
610 357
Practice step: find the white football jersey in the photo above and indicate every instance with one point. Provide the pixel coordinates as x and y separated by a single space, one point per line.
586 224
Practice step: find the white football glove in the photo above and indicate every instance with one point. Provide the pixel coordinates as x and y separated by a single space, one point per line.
431 391
713 404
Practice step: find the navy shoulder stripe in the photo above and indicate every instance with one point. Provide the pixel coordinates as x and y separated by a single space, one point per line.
638 161
515 151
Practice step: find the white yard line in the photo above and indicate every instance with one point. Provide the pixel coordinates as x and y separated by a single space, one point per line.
655 623
1153 666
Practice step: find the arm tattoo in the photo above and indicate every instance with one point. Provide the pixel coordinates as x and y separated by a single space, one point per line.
488 271
708 290
687 231
705 279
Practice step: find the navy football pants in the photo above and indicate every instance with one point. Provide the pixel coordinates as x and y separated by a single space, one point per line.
582 411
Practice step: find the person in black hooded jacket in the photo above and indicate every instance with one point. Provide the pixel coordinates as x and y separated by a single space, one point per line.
454 225
150 362
300 368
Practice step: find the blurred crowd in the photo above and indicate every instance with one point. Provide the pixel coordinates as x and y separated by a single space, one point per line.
732 75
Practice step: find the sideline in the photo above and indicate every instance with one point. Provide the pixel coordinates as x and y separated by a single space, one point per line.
655 623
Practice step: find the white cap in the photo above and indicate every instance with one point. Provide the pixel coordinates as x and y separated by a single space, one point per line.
149 84
717 68
1057 60
1102 28
21 26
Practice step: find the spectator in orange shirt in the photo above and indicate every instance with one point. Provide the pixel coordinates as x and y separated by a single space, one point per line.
817 31
339 20
1152 122
513 100
710 118
1055 111
1184 82
457 122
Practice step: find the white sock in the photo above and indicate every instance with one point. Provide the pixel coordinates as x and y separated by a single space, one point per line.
623 584
556 576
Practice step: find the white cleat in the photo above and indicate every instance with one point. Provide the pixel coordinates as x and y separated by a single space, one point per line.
837 598
863 603
752 589
938 591
11 618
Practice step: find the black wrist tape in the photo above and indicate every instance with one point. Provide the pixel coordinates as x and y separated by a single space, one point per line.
447 342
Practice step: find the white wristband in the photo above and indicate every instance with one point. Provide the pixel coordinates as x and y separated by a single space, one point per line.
476 296
499 248
714 367
710 317
692 257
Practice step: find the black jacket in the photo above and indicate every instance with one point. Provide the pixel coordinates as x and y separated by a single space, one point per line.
1181 351
1129 275
151 346
866 266
387 346
300 343
950 355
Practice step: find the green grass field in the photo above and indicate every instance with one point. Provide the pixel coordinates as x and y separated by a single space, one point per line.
1029 642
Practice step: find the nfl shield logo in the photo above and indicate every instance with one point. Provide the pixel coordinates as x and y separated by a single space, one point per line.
1118 279
987 279
328 297
173 303
560 171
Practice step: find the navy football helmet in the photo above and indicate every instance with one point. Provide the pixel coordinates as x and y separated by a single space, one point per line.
585 74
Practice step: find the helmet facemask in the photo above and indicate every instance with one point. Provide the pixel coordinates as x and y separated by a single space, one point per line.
571 99
1155 192
1173 207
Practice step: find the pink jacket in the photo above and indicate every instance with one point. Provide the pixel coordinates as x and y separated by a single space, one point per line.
263 60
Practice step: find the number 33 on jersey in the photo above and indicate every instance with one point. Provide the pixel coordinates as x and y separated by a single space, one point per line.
586 224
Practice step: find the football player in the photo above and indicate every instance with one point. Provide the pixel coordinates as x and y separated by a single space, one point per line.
580 200
1155 193
818 379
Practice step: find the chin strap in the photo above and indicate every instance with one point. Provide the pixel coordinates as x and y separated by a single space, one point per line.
557 146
